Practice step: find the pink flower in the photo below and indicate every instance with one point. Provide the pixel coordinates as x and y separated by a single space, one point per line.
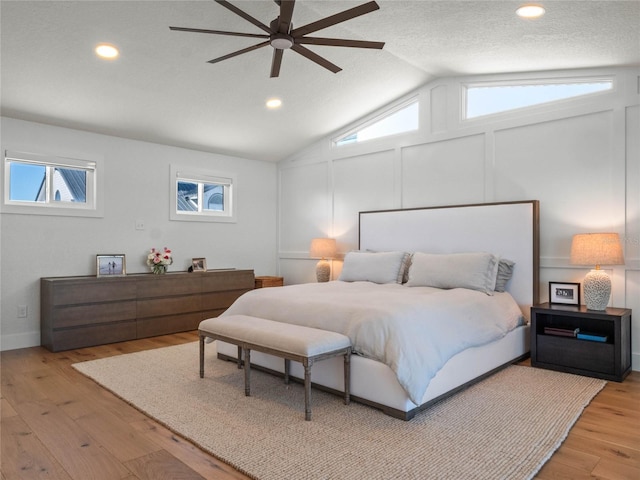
159 257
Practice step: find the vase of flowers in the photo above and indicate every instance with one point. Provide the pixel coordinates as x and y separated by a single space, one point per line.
159 260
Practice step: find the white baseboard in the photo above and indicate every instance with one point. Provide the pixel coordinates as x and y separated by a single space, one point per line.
19 340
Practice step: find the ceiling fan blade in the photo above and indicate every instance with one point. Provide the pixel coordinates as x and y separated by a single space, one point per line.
339 42
276 62
218 32
244 15
334 19
286 14
239 52
305 52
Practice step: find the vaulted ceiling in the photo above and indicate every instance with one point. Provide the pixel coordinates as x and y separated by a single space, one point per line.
161 88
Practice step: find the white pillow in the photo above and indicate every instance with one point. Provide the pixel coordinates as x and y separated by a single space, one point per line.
378 267
476 271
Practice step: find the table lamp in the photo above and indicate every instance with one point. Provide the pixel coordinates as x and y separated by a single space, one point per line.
596 249
323 248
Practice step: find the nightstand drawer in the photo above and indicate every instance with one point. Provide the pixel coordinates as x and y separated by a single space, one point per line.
598 357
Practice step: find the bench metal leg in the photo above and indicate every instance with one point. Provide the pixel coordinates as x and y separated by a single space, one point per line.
239 356
201 356
347 377
247 371
307 390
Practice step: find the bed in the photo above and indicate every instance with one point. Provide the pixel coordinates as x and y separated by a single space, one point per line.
403 370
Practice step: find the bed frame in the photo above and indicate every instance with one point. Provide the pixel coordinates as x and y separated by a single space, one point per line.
509 229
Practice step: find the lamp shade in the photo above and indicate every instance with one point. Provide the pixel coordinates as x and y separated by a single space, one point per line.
596 249
322 248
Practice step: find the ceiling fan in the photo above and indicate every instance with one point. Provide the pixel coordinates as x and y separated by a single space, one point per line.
281 35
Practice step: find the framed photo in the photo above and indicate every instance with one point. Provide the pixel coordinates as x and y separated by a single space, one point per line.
565 293
111 265
199 264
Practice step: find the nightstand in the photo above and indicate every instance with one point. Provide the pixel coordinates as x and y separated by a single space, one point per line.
555 346
263 282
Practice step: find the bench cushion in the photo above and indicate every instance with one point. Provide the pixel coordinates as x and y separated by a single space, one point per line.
284 337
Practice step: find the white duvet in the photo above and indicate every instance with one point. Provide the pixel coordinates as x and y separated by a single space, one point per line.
413 330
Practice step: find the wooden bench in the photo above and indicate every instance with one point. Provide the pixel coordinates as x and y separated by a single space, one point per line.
291 342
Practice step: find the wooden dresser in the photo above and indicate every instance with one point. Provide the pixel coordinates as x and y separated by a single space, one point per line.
78 312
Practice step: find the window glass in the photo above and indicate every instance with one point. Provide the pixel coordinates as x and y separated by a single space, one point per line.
490 99
399 120
187 196
214 197
26 182
70 185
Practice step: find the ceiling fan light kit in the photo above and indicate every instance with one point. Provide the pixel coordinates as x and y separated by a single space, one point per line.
281 41
281 35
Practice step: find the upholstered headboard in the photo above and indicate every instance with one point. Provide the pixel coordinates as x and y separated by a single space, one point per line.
510 230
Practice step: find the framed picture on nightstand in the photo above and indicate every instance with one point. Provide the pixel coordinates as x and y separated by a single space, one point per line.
564 293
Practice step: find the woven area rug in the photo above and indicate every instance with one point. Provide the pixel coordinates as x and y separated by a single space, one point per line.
506 426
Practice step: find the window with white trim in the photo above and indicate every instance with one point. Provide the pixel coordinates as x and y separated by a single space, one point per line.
35 183
202 196
400 119
489 98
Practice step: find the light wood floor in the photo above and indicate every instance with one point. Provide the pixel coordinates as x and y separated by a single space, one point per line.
57 424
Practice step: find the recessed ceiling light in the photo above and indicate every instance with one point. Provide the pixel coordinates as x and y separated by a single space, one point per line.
105 50
530 11
274 103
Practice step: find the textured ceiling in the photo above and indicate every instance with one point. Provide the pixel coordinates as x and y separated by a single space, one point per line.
162 89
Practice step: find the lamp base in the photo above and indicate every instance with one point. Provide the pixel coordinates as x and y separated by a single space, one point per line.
597 290
323 271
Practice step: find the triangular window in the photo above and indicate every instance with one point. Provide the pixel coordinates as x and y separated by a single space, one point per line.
403 118
486 99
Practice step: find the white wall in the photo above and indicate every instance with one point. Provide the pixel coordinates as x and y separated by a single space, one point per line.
580 158
135 187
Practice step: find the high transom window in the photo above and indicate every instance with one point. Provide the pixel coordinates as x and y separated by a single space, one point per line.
43 182
400 119
202 196
488 99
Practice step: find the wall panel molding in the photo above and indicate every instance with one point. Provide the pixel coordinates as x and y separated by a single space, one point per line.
579 157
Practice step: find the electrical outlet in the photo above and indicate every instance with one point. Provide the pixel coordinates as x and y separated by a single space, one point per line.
22 311
139 224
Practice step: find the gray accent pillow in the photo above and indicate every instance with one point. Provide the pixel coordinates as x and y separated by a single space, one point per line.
505 272
476 271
